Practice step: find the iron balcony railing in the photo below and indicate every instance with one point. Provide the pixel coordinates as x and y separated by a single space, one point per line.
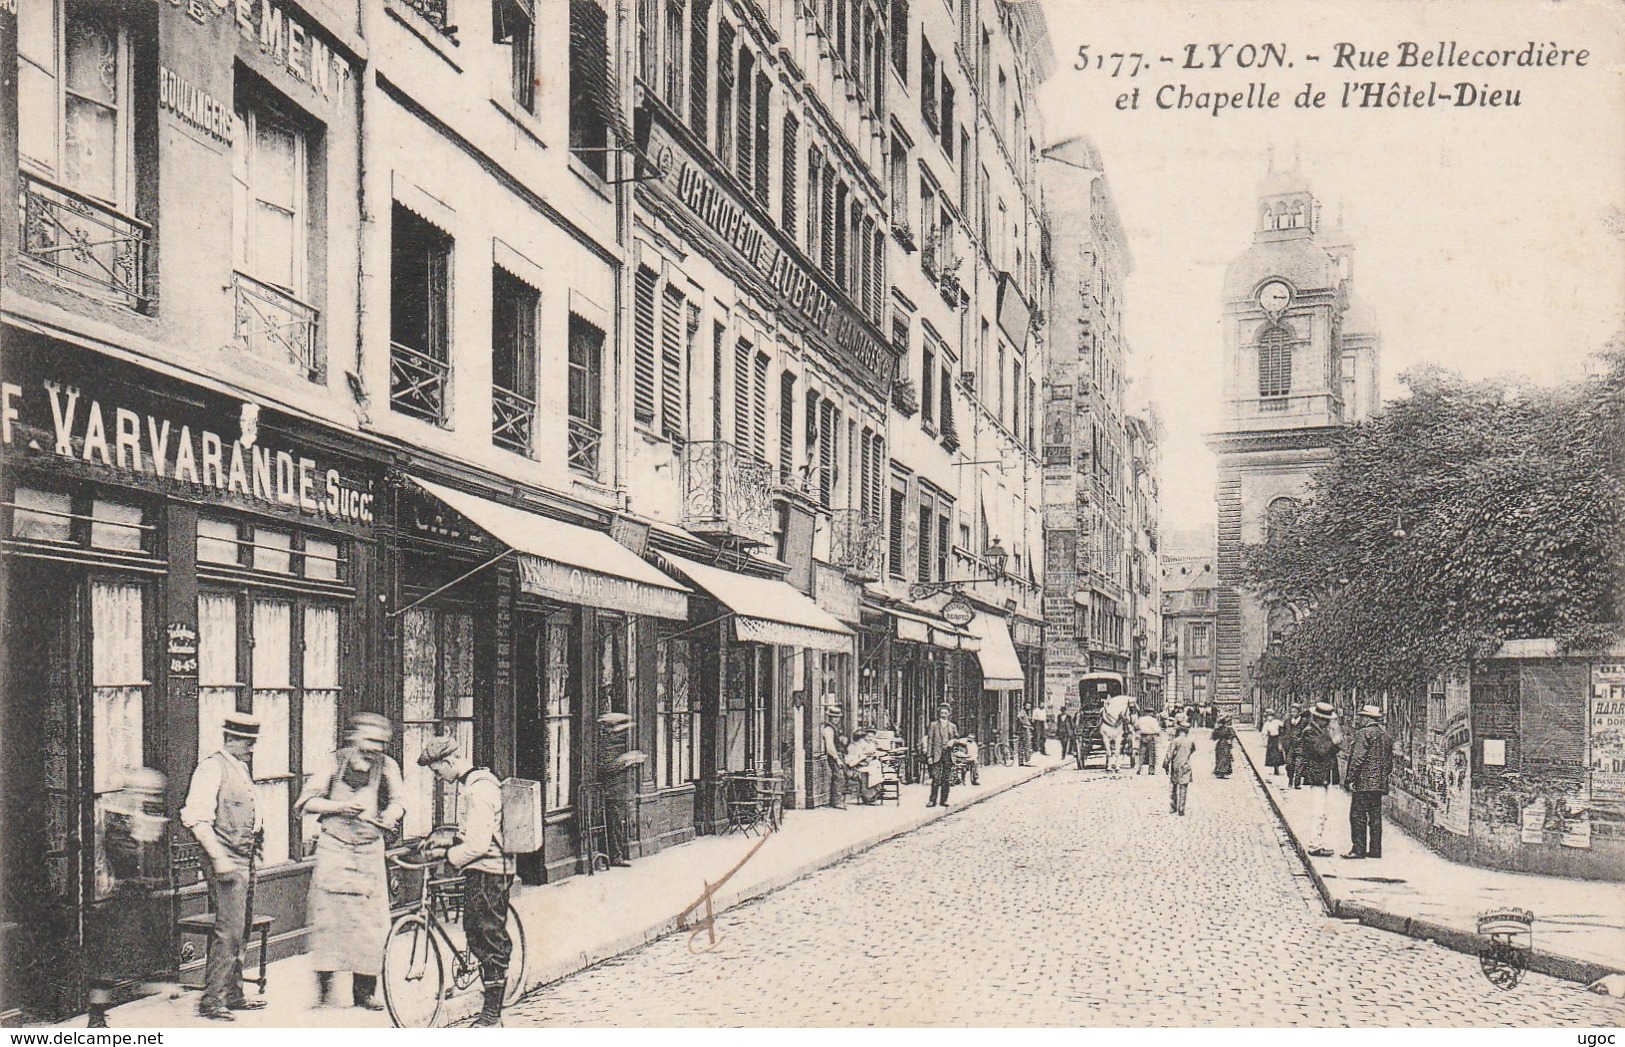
432 10
513 420
274 325
80 238
585 442
417 383
727 491
857 543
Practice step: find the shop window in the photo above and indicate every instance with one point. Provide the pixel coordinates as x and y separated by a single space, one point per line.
273 550
513 362
560 715
119 683
76 146
677 723
419 317
437 653
217 542
291 684
513 24
41 516
114 525
585 433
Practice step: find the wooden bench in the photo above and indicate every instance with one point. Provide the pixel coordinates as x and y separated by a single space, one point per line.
203 924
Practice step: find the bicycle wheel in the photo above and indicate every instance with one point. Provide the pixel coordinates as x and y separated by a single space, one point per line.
516 958
1006 755
414 974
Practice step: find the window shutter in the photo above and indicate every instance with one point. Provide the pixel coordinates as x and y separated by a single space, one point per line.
826 452
924 542
787 218
725 89
671 363
758 427
742 356
899 509
643 345
744 134
899 37
877 480
699 77
787 427
827 229
764 91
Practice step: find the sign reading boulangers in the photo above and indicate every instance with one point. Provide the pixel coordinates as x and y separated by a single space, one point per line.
769 258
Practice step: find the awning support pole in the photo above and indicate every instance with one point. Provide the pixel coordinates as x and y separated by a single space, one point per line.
460 578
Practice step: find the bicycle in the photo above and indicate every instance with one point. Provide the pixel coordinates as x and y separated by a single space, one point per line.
414 973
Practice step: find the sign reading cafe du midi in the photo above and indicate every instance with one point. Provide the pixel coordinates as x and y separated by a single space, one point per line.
122 440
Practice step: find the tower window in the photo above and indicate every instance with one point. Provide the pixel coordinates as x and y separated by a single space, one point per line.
1275 362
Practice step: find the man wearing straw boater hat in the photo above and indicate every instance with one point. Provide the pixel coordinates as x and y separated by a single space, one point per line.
1318 746
1371 761
220 811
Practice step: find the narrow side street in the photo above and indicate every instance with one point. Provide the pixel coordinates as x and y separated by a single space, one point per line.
1073 900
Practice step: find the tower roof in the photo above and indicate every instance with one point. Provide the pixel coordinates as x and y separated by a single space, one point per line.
1300 261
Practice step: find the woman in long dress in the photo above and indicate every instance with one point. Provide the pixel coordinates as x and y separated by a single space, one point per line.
1224 738
358 803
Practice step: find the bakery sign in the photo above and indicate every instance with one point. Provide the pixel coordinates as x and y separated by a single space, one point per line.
123 439
799 288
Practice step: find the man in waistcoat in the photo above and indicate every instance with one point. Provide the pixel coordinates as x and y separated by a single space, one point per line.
220 811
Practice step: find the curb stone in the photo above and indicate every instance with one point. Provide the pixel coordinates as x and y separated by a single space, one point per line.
1552 964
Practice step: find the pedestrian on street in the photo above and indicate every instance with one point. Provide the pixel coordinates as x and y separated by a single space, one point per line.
1319 753
1371 761
833 743
971 754
1274 757
1024 735
1114 718
1040 729
1067 728
1294 746
221 812
1150 730
127 938
940 739
358 801
486 866
1224 738
1178 762
617 784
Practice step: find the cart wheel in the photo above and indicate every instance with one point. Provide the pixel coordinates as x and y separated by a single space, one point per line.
600 862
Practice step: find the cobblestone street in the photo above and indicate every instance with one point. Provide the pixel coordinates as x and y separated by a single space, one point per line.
1073 900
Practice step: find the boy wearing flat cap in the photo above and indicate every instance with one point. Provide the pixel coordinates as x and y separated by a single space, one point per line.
484 863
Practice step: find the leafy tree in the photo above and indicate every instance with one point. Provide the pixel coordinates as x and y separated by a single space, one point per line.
1464 515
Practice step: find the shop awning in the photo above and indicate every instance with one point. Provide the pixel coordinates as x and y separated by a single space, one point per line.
920 628
766 610
574 564
1001 669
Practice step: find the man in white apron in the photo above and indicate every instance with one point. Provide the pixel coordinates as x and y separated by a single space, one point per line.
357 801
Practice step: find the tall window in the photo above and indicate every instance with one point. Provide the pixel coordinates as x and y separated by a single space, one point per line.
946 135
725 92
420 264
1199 688
437 652
591 98
560 688
699 66
118 680
928 86
513 25
1201 641
677 720
675 335
899 37
899 181
787 427
73 95
815 197
268 198
586 423
927 526
1018 391
928 382
744 135
928 229
643 344
762 175
513 361
672 56
1275 362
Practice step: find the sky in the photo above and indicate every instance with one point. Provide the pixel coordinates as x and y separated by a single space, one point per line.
1488 240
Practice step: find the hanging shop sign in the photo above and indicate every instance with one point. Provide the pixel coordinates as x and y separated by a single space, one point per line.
81 427
958 611
769 258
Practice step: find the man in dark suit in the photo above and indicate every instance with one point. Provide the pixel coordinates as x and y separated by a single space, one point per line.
1319 748
940 739
1371 760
